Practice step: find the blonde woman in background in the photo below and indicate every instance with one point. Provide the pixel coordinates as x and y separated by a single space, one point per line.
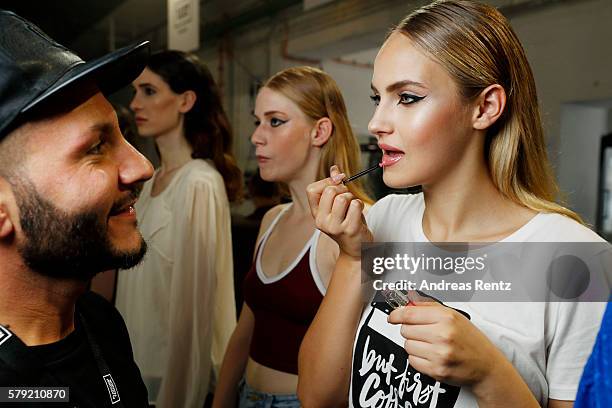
302 128
456 112
178 304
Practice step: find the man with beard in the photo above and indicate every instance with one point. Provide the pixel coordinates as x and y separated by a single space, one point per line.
68 182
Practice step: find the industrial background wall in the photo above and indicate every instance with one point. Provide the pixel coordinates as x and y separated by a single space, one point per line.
568 42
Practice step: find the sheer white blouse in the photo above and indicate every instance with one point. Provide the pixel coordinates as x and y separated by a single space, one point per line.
178 304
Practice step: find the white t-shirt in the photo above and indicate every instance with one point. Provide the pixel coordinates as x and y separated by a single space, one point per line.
548 343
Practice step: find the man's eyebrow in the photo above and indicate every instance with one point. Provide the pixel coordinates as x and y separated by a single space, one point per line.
146 84
400 84
99 130
105 128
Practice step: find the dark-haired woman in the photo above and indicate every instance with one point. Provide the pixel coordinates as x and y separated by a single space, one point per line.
178 303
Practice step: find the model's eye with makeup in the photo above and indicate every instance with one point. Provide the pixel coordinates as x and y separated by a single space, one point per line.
149 91
375 99
407 99
276 122
257 122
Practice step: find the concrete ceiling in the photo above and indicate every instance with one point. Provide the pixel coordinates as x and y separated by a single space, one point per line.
94 27
137 19
63 20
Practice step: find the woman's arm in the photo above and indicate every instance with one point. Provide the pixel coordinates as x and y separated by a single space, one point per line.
324 361
237 353
325 354
235 360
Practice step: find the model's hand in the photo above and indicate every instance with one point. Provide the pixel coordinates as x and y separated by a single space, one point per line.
338 213
444 344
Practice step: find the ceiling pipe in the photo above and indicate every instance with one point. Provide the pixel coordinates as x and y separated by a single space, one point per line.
295 58
219 28
111 34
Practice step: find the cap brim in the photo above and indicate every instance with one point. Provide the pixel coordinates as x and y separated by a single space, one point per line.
110 73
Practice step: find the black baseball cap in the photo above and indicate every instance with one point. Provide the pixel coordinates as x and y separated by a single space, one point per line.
35 69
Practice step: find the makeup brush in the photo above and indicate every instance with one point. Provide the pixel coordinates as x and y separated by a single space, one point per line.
361 173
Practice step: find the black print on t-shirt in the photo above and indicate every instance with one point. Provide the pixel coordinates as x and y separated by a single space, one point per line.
382 376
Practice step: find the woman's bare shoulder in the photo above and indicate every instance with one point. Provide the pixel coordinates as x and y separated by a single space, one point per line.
270 215
268 218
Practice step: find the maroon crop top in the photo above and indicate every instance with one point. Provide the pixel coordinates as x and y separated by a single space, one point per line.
283 309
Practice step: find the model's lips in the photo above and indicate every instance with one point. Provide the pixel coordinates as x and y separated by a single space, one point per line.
139 119
391 155
261 158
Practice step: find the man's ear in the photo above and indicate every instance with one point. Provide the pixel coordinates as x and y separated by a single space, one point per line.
490 105
188 99
7 226
321 132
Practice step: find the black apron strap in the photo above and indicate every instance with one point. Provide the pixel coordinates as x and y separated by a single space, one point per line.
111 386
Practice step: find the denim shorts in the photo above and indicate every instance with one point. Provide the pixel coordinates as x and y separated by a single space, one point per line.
249 398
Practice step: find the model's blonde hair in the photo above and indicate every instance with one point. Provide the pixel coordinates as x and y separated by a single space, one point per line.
476 45
318 96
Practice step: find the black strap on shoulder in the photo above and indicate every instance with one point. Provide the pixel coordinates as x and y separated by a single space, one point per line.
103 368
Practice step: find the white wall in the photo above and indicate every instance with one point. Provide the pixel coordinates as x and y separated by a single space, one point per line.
581 129
354 82
569 46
